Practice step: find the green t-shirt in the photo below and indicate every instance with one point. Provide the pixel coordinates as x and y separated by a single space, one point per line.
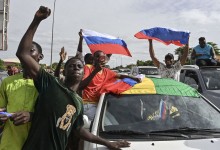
57 111
16 94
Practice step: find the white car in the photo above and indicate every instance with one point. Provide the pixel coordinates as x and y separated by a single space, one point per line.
157 114
149 71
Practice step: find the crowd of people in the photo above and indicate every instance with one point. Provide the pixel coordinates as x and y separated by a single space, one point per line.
46 111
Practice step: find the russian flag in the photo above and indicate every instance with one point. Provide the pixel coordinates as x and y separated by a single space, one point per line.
104 42
164 35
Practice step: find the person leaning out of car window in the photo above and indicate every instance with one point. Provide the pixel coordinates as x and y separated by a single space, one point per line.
170 68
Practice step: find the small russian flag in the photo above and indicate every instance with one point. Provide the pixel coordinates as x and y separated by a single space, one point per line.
165 35
104 42
162 110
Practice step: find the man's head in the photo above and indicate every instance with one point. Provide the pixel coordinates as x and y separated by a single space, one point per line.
73 69
169 59
88 58
99 57
10 70
202 42
36 52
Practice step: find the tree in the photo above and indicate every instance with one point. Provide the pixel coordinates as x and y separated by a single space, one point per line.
179 52
215 47
2 67
145 63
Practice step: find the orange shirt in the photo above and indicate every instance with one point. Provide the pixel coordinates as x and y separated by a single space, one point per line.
92 92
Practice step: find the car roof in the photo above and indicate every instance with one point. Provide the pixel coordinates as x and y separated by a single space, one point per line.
146 66
162 86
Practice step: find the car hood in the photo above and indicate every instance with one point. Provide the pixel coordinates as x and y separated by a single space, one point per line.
198 144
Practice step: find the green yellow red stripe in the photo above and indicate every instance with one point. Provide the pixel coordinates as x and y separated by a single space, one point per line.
162 86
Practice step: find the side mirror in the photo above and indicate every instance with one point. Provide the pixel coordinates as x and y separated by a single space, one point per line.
86 121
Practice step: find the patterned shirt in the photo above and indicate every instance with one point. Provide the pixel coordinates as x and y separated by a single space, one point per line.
16 94
169 72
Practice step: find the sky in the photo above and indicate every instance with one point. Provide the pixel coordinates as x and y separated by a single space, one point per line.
120 18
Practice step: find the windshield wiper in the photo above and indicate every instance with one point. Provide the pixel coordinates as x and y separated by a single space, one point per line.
188 130
124 132
131 132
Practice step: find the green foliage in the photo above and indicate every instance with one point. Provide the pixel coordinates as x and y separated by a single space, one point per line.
54 65
145 63
44 66
2 67
215 47
179 52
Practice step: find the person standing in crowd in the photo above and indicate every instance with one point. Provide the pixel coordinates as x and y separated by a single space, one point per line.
59 109
170 68
18 95
204 54
88 59
95 76
63 55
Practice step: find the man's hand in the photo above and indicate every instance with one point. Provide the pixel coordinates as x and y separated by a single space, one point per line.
98 67
62 54
118 145
3 118
42 13
138 80
19 118
80 34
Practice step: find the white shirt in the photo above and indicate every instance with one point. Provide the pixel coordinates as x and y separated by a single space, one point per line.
169 72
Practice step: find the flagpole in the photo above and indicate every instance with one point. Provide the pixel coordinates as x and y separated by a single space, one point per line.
51 53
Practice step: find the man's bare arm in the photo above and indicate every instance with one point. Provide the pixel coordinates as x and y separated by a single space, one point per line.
79 52
185 54
62 58
152 55
23 51
87 136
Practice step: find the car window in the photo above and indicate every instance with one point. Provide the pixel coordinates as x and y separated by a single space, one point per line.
148 71
146 113
191 78
211 78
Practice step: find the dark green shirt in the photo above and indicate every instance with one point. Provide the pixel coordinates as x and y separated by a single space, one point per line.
57 111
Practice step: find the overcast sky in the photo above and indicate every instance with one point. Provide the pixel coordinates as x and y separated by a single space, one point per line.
120 18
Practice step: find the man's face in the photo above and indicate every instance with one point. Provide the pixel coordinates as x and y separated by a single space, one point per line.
74 69
168 62
35 53
202 43
100 58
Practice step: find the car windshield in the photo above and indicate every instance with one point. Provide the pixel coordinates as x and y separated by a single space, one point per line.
150 113
148 71
211 77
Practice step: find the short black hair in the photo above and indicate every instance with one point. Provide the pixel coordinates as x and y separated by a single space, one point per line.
202 39
98 51
72 59
38 47
169 56
87 56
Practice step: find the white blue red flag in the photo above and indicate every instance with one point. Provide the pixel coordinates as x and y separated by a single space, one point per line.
104 42
165 35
